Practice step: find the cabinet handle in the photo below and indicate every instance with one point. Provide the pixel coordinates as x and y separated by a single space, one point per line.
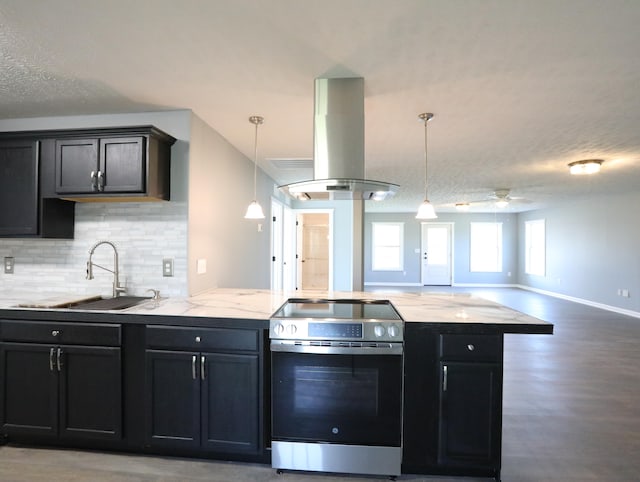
100 181
444 379
51 352
59 359
193 367
202 363
94 182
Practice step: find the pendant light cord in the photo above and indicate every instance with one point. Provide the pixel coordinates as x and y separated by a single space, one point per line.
256 120
426 117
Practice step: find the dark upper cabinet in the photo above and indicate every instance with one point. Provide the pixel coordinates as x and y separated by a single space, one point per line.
19 187
101 166
23 210
125 164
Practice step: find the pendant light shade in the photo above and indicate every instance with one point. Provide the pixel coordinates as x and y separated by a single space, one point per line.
254 211
426 210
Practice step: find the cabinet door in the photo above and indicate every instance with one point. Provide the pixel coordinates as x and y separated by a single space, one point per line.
470 414
28 389
172 399
230 418
122 165
90 392
76 161
19 188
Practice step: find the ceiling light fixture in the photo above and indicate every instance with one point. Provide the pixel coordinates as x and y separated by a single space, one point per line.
426 210
586 166
502 203
254 211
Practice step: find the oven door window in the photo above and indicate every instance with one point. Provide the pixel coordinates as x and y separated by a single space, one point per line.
349 399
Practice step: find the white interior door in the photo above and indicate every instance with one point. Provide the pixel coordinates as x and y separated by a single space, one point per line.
288 249
436 254
314 250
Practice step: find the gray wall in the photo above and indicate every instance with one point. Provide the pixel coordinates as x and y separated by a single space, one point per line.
461 226
592 250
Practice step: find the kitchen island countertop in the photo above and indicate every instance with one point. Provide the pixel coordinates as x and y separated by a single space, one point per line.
255 304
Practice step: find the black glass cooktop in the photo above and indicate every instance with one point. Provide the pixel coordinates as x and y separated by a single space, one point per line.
344 309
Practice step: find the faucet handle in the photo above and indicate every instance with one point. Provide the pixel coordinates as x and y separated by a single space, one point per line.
156 293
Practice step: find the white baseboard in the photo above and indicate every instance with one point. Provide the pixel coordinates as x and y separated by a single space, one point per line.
376 283
485 285
594 304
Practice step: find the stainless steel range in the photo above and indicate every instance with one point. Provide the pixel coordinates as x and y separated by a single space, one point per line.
337 386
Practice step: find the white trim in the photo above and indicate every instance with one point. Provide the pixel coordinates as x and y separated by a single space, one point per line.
380 283
485 285
602 306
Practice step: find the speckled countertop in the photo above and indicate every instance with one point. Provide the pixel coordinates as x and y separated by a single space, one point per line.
256 304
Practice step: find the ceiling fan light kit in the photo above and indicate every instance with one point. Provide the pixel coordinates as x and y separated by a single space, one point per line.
426 210
585 166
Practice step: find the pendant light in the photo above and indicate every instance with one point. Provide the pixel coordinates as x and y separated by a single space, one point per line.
254 211
426 210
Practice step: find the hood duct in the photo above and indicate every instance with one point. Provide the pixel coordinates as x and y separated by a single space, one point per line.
338 141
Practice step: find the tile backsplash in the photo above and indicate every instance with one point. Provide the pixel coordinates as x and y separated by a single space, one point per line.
145 233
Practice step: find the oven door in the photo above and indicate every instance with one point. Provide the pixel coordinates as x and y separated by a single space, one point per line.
348 399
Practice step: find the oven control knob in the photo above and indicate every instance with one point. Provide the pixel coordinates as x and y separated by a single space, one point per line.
292 329
378 330
393 331
278 328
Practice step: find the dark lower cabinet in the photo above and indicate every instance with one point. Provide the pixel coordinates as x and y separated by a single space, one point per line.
62 391
452 402
470 408
203 400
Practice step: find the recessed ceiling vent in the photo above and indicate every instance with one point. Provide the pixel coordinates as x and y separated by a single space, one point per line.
338 139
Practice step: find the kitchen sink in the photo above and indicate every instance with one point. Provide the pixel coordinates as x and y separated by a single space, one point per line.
89 303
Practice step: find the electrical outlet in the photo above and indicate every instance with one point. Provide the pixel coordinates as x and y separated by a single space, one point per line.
625 293
167 267
9 262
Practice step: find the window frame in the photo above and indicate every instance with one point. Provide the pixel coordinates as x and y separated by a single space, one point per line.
375 263
473 266
529 226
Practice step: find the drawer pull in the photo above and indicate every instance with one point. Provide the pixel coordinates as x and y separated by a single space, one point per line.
55 332
471 347
198 339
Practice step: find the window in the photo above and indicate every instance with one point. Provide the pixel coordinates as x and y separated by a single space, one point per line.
486 247
534 245
387 246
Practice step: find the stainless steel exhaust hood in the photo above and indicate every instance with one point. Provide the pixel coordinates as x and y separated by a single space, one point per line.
338 138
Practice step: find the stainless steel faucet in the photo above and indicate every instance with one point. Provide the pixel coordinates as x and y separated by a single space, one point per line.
117 289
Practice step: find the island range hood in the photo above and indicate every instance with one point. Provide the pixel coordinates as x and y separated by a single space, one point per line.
338 139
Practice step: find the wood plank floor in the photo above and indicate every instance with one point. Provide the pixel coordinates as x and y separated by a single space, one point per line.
571 412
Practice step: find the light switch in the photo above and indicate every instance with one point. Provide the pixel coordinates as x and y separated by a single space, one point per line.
201 266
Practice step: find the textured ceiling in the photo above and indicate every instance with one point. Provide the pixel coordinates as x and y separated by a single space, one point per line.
519 88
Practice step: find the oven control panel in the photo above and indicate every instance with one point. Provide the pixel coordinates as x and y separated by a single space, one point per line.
370 330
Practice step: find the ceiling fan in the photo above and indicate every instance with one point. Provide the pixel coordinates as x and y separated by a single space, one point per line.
501 198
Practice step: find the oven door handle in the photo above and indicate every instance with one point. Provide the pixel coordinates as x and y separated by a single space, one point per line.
381 349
